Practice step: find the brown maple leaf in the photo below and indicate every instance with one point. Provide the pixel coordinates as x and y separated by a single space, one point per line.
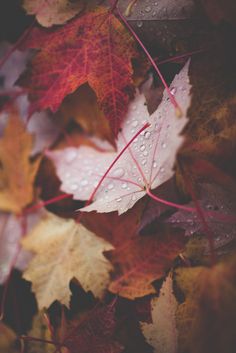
138 260
17 171
94 48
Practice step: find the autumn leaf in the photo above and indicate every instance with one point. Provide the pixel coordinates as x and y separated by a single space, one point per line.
207 318
7 339
94 332
56 12
17 172
82 107
211 198
65 250
94 48
39 331
162 334
137 260
147 164
140 260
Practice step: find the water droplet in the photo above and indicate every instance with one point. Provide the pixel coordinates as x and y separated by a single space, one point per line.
134 107
145 153
84 182
144 161
119 199
163 145
148 9
154 14
110 186
134 123
142 148
173 90
119 172
73 187
154 164
124 185
70 155
147 135
162 170
139 24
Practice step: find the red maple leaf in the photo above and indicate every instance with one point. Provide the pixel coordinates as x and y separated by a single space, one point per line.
94 48
92 333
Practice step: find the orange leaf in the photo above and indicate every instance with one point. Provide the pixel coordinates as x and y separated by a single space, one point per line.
17 172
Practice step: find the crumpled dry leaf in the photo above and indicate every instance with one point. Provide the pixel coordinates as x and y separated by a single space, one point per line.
65 250
162 333
17 172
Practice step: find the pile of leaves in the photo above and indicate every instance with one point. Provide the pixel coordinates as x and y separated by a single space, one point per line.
117 176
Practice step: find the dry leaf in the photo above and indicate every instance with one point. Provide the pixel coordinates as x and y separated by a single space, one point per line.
162 333
65 250
17 172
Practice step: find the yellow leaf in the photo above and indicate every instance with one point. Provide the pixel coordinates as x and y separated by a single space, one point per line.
65 250
57 12
162 333
17 172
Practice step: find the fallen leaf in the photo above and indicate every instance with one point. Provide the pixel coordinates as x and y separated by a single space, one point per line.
7 339
211 198
94 48
206 319
82 106
145 165
94 332
56 12
65 250
39 331
140 260
162 333
17 172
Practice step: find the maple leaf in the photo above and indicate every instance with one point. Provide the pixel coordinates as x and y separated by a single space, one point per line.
162 333
145 165
17 172
211 198
140 260
94 48
207 318
64 250
82 106
94 332
56 12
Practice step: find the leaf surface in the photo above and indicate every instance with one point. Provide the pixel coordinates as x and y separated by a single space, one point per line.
64 250
162 332
148 162
55 12
94 48
17 172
